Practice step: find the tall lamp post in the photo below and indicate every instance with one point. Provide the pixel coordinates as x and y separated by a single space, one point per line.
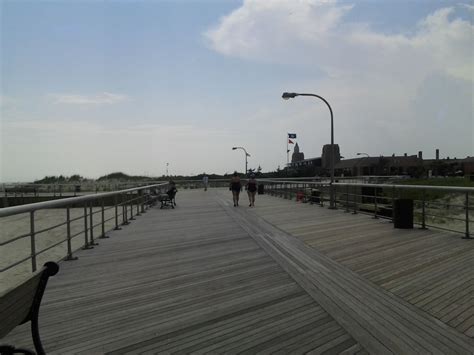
291 95
246 155
366 156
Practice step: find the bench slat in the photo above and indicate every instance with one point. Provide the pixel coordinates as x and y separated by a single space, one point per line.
15 303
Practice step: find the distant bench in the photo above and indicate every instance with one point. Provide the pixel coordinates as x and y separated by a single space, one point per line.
21 304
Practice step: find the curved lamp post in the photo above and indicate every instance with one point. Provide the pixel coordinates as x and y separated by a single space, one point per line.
291 95
246 155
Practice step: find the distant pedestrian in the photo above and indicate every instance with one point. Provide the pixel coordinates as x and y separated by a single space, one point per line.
251 187
205 181
235 187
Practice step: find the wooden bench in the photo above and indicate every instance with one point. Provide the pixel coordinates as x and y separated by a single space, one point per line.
21 304
168 199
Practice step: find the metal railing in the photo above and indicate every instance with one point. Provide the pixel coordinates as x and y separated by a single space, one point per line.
122 205
442 207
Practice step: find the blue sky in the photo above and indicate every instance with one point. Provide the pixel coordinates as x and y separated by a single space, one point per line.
93 87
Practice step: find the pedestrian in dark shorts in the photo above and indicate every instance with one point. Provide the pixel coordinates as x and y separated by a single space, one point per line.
235 187
251 189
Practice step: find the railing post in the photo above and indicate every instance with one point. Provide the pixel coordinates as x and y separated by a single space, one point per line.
92 224
393 205
103 220
86 240
347 199
334 197
355 200
423 212
33 242
321 196
467 235
131 208
125 212
142 194
375 203
116 214
138 203
68 230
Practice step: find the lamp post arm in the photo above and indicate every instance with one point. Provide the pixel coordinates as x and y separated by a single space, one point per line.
323 99
246 155
332 131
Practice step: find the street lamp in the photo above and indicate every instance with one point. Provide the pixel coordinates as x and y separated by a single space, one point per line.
246 155
291 95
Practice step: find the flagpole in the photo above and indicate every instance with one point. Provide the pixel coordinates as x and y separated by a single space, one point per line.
287 152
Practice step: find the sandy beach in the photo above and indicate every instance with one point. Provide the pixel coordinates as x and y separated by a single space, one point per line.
17 225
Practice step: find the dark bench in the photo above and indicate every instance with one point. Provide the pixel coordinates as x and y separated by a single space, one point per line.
168 199
21 304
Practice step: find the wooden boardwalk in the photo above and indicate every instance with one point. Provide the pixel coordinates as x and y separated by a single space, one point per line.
282 277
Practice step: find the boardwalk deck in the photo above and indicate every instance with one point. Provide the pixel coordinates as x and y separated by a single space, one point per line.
208 277
430 269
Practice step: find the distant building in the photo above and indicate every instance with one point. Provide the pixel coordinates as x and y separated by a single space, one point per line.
314 166
327 153
393 165
297 156
410 165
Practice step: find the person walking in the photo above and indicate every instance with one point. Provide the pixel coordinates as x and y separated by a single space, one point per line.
251 188
205 181
235 187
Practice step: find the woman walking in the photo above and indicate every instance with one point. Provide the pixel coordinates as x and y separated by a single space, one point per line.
235 187
251 189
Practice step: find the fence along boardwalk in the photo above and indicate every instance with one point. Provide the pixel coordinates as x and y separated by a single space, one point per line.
203 278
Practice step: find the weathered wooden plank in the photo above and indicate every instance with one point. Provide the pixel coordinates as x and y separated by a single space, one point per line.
422 325
426 266
171 281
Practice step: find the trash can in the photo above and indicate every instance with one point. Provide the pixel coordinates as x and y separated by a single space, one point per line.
403 213
260 189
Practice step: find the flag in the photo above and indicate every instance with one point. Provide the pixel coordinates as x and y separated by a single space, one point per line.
290 141
291 135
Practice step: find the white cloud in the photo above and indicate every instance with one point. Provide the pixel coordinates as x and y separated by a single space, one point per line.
383 87
467 6
105 98
315 32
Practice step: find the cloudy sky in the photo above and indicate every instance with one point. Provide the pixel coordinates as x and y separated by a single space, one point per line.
93 87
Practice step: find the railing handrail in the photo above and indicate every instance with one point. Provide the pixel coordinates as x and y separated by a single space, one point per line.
9 211
397 186
414 187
